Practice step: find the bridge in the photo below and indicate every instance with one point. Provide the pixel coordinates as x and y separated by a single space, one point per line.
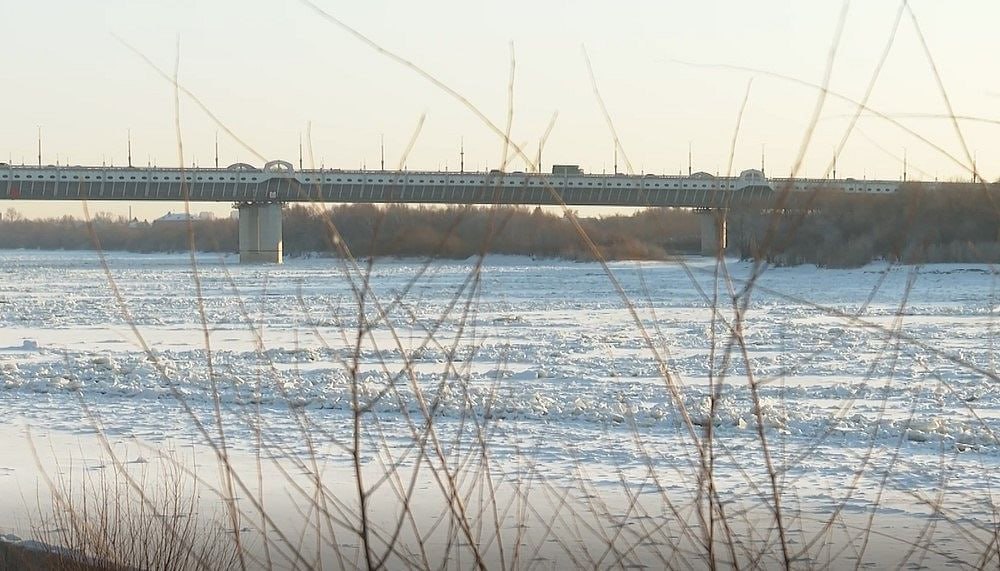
258 193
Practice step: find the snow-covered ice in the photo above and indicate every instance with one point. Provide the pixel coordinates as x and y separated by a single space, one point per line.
874 385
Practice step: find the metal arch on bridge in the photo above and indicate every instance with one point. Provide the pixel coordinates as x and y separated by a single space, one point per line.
260 192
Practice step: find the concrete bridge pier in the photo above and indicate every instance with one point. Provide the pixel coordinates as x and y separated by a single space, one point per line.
260 233
713 232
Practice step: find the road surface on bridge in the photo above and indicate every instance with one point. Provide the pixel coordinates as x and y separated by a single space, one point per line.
279 182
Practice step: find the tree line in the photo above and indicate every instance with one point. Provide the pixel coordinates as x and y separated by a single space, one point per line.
109 232
953 223
392 230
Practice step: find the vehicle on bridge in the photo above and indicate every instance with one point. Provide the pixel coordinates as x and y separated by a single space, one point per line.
567 169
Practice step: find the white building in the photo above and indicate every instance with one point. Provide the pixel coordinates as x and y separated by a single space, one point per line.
172 217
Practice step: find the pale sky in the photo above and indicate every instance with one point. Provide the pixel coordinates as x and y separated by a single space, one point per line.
267 68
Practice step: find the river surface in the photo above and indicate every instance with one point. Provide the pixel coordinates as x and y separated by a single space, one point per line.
872 391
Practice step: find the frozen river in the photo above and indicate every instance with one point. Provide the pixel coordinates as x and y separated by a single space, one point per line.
872 391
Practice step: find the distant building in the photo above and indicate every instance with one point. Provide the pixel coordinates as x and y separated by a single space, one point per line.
174 217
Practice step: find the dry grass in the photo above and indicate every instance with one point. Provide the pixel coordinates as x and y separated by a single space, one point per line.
132 517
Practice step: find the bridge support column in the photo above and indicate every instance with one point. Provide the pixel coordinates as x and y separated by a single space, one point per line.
260 233
713 232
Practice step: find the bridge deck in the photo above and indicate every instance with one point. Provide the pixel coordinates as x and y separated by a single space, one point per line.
225 185
285 185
